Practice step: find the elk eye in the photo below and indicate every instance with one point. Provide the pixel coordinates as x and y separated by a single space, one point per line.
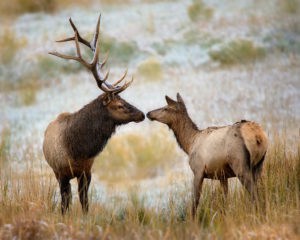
120 107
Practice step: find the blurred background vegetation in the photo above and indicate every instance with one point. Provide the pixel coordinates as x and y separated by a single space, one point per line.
149 63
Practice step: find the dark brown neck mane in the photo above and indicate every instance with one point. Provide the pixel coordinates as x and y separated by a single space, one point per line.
88 130
185 131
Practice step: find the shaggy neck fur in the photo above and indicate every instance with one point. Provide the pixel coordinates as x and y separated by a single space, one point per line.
88 130
185 131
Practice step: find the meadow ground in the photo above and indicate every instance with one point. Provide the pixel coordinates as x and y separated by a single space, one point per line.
229 60
30 207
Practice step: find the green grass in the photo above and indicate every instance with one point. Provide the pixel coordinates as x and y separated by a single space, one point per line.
199 11
49 66
237 52
204 39
4 146
10 44
120 52
150 69
29 207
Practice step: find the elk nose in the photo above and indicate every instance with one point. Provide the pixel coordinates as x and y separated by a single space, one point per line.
149 115
139 117
142 116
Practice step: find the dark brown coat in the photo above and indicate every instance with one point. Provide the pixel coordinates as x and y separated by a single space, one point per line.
73 140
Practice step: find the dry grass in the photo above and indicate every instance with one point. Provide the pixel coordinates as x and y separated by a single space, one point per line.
289 6
134 156
17 7
4 146
29 210
199 11
10 44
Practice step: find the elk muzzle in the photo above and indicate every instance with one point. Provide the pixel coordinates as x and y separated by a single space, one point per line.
139 117
150 116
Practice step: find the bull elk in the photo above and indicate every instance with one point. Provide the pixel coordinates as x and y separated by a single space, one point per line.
73 140
220 153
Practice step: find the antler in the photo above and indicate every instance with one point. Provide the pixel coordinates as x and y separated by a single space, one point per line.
94 66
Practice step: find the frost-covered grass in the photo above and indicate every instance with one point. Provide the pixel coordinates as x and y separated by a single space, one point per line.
120 52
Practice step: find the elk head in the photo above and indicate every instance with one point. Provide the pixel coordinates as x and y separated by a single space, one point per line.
170 114
118 109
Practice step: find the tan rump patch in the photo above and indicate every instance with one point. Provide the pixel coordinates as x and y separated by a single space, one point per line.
255 140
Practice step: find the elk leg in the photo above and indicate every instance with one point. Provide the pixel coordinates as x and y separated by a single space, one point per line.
248 182
198 180
66 195
83 187
245 176
224 184
241 167
257 169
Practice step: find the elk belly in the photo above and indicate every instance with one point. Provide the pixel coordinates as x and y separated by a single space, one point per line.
214 152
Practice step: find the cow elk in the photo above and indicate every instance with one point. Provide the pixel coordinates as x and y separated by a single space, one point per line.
73 140
220 153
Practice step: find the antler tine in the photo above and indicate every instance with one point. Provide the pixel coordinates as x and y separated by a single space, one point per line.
96 55
82 40
94 42
57 54
94 66
66 39
77 46
106 76
77 58
95 62
105 60
121 79
121 89
68 57
100 80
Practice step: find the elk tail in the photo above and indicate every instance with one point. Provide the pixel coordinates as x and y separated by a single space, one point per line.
256 142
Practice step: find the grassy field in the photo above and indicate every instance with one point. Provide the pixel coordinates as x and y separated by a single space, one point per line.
30 207
230 60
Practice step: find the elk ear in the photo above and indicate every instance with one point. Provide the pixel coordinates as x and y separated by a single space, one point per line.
107 99
180 100
170 101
